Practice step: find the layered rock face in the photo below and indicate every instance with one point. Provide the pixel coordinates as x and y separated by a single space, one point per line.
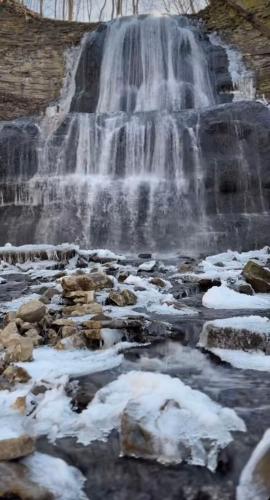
32 59
153 153
246 25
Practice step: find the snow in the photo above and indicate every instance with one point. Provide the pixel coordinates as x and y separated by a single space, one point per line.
224 298
253 324
251 485
62 480
147 266
101 253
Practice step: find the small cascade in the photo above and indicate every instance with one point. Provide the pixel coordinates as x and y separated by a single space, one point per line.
152 154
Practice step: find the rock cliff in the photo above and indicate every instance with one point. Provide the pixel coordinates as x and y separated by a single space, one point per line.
32 59
246 25
32 50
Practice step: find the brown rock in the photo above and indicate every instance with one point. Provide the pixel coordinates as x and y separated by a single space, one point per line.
19 349
116 299
33 334
81 297
21 446
67 331
81 310
25 326
121 299
257 276
8 332
129 297
15 374
20 405
76 341
158 282
86 282
93 324
15 484
58 323
32 312
93 338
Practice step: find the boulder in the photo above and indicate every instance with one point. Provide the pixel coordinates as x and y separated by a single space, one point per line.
86 282
158 282
245 288
81 310
115 299
237 333
76 341
135 440
15 484
81 297
16 374
68 330
130 297
20 405
33 334
59 323
93 338
19 348
32 312
123 275
8 332
121 299
257 276
93 324
18 447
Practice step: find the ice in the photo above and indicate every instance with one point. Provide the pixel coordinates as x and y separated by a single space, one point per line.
50 363
147 266
14 305
62 480
192 419
254 480
230 264
244 360
101 253
223 297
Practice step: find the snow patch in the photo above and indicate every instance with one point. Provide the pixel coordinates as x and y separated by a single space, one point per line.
223 297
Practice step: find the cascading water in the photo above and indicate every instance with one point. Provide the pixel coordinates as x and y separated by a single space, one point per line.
150 156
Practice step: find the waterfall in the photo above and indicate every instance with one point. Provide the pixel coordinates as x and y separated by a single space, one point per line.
152 153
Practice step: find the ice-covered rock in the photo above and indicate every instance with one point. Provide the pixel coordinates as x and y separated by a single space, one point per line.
242 342
254 481
159 417
247 333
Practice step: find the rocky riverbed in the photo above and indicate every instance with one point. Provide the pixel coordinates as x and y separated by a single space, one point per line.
133 376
